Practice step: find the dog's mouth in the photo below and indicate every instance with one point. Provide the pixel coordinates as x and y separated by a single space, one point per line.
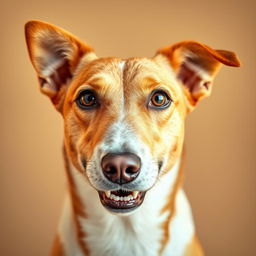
121 201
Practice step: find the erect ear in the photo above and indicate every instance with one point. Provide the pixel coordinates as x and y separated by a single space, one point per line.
195 65
55 55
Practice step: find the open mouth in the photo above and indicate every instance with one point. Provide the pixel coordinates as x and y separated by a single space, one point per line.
120 200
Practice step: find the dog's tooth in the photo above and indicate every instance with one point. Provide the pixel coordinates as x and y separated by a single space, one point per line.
135 194
108 193
112 196
130 197
126 198
116 198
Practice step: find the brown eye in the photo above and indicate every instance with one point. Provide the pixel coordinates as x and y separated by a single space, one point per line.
159 100
87 99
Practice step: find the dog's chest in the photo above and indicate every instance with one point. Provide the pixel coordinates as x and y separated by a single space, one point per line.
126 236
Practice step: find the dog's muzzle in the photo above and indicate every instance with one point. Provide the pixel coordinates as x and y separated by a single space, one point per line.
121 169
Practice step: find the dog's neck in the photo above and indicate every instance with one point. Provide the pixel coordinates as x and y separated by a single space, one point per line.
98 230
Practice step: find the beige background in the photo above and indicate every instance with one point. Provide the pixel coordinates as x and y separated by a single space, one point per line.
220 134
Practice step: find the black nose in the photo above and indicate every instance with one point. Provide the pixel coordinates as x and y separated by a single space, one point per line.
121 168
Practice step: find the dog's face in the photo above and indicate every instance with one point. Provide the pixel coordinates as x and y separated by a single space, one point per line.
127 115
124 119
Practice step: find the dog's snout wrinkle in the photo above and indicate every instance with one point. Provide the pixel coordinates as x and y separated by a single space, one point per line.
121 168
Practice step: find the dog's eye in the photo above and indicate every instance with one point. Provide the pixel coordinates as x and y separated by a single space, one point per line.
160 100
87 99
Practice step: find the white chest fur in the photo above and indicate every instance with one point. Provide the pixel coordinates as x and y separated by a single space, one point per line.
138 234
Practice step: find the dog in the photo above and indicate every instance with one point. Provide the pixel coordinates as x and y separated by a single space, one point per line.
124 133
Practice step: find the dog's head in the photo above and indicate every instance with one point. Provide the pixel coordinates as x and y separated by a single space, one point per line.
124 118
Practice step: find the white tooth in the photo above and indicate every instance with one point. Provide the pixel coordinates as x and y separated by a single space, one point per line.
112 196
117 198
107 194
135 194
121 198
126 198
130 197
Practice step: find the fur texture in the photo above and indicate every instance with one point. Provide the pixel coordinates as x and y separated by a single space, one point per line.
136 106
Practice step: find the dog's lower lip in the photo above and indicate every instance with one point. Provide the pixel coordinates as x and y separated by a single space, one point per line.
114 201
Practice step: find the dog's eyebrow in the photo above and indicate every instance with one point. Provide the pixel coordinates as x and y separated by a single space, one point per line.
96 82
150 83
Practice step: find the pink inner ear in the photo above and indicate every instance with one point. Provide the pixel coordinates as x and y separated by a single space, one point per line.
61 74
58 77
191 79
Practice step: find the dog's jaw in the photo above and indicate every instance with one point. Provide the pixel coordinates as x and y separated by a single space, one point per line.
121 202
139 230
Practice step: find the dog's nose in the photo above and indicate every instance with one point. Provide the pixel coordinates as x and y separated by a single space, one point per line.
121 168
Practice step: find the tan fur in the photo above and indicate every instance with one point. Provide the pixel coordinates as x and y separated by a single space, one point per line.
170 206
79 209
80 69
194 248
57 248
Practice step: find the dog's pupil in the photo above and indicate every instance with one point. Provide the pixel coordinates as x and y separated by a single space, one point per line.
159 99
88 99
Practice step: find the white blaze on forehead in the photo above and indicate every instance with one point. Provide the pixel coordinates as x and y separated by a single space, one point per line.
121 117
119 131
122 65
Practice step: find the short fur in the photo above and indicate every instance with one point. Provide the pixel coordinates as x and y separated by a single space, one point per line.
124 122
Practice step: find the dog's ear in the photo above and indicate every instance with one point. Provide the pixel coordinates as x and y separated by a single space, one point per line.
55 55
195 65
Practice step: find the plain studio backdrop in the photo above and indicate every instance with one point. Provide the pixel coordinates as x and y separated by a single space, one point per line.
220 133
